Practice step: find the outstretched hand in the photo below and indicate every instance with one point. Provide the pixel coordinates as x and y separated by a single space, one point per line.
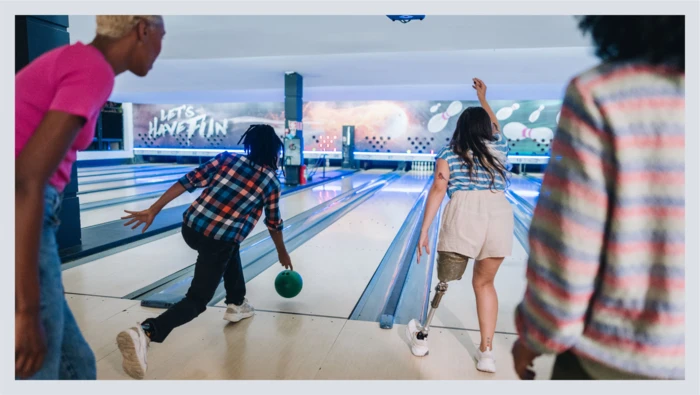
139 218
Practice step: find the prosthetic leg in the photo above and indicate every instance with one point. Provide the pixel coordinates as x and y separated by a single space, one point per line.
423 329
451 267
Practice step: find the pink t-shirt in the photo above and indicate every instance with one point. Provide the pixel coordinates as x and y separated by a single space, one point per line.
74 79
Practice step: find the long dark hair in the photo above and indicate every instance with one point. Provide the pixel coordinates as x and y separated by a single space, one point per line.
657 39
262 145
473 131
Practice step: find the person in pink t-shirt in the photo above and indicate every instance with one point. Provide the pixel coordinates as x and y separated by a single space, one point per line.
58 98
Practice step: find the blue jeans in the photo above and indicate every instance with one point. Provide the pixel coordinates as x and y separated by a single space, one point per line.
68 356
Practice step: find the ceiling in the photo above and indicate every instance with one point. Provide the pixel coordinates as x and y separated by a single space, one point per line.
243 58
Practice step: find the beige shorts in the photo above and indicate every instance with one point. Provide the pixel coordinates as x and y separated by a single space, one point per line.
477 225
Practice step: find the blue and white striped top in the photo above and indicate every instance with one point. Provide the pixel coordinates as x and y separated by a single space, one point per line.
459 173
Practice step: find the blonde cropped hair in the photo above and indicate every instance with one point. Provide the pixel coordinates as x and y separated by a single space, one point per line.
118 26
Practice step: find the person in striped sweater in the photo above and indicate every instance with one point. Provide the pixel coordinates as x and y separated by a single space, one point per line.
605 278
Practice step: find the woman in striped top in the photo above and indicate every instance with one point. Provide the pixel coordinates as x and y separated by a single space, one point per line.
477 223
605 279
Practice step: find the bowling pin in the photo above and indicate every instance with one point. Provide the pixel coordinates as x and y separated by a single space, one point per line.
558 115
505 112
517 131
541 134
435 107
439 121
536 114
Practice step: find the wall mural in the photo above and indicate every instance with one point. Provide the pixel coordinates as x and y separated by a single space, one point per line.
380 126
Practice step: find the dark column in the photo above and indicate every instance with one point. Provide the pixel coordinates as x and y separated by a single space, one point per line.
293 112
348 159
35 35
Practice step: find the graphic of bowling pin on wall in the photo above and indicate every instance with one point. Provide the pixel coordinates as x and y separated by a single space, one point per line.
536 114
435 107
439 121
517 131
505 112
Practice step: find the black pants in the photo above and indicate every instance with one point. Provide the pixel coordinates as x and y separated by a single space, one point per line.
216 258
568 367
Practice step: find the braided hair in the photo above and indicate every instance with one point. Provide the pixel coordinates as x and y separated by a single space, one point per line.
262 145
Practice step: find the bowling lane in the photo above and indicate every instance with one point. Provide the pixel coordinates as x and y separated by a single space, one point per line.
123 192
526 189
91 171
101 215
338 263
112 213
88 180
127 271
92 188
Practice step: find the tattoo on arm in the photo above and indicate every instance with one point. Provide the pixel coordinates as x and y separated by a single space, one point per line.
441 177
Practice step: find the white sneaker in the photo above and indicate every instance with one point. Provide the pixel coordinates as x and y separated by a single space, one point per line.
419 347
236 313
133 344
485 361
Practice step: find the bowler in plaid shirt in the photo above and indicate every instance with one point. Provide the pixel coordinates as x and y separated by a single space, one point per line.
236 191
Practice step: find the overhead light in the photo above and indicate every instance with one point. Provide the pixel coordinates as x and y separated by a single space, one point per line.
406 18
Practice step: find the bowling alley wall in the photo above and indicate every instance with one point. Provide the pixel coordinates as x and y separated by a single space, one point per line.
380 126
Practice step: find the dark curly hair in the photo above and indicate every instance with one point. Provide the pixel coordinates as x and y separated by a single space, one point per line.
657 39
262 145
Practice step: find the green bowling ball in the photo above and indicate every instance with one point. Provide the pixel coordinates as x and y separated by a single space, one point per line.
288 284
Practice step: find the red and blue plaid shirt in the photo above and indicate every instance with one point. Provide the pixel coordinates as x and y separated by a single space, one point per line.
235 192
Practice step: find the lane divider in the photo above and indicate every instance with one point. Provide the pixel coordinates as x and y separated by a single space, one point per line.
406 254
369 305
415 296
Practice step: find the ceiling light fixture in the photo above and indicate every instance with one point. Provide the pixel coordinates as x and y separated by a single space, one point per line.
405 18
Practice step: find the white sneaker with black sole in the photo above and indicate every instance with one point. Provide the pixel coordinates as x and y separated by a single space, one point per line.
237 313
485 361
419 347
133 344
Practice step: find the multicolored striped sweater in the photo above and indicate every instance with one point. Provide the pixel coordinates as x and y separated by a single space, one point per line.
606 274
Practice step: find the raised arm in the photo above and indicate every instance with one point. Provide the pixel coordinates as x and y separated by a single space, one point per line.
481 94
